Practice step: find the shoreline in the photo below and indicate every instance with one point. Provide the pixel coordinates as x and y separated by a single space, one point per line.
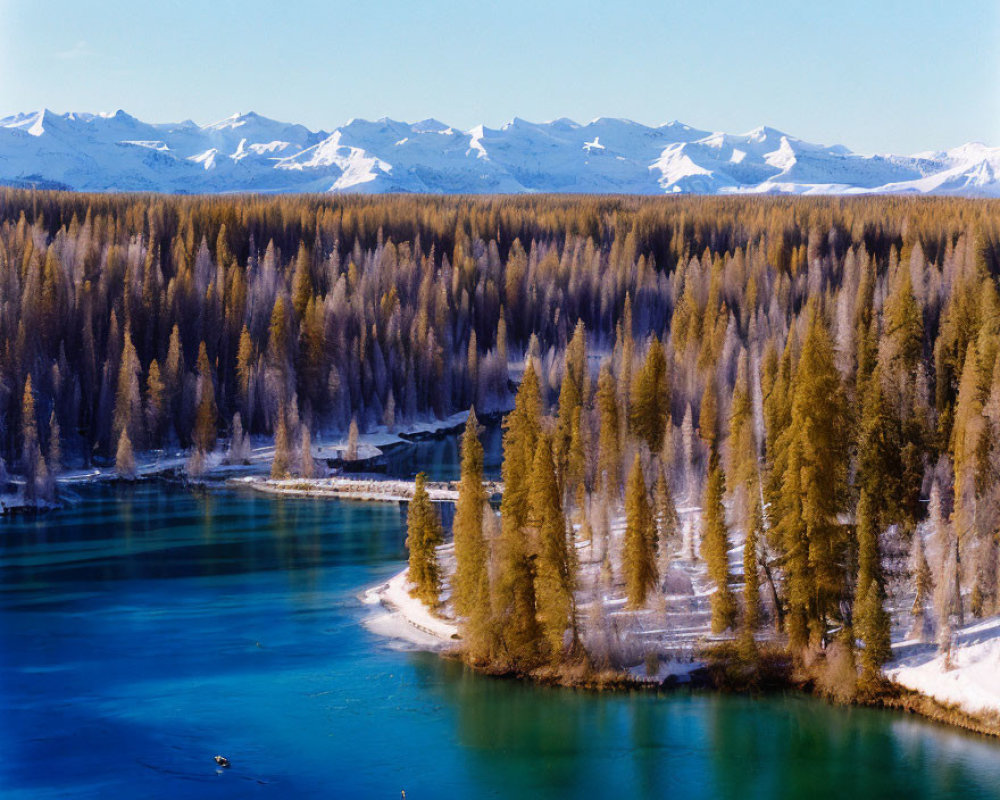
419 628
151 464
365 488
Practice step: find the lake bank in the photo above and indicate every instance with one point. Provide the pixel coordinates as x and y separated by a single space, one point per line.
409 619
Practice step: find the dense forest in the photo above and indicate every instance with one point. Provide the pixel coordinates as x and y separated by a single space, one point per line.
821 376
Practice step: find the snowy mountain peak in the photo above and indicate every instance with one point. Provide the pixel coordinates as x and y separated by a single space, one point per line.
250 152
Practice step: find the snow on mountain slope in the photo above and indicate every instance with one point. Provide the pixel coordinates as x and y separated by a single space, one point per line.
248 152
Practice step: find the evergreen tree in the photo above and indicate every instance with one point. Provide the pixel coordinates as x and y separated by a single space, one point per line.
813 490
156 403
351 451
239 443
55 445
609 454
282 461
206 413
667 521
741 463
423 535
470 587
751 573
124 458
651 398
871 622
514 596
924 584
308 465
128 406
576 466
554 573
31 454
639 554
715 548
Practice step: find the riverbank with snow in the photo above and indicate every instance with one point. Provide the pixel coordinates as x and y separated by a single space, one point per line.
325 448
368 488
403 618
968 676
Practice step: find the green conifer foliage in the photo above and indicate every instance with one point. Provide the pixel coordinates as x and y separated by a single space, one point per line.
470 548
813 492
715 548
751 571
639 554
423 535
609 453
553 572
514 596
871 621
651 398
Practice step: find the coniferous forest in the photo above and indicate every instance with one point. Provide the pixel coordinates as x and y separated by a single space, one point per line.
820 377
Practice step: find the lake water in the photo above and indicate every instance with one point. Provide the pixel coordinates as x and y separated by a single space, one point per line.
147 628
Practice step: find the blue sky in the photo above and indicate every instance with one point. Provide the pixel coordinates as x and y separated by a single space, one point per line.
881 75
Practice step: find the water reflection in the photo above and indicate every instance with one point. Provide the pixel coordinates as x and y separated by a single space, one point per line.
148 627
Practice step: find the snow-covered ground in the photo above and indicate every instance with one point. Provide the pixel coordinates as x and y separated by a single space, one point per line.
969 676
403 618
675 623
672 627
370 487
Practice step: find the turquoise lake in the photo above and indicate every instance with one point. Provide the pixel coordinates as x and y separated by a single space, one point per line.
145 628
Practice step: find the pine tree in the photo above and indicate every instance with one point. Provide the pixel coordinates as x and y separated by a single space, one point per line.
156 403
423 535
308 465
470 586
871 621
667 521
301 281
173 373
639 554
970 448
609 454
554 574
576 466
751 572
128 406
351 451
124 458
708 417
924 584
741 462
948 596
30 450
514 597
282 461
239 443
206 412
881 451
244 367
651 398
55 445
570 404
715 547
813 490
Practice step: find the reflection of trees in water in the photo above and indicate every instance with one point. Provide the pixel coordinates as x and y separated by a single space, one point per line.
514 729
523 740
796 747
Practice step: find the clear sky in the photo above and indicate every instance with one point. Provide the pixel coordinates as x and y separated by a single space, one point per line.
875 75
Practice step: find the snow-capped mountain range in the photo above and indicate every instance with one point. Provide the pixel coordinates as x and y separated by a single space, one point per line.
248 152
